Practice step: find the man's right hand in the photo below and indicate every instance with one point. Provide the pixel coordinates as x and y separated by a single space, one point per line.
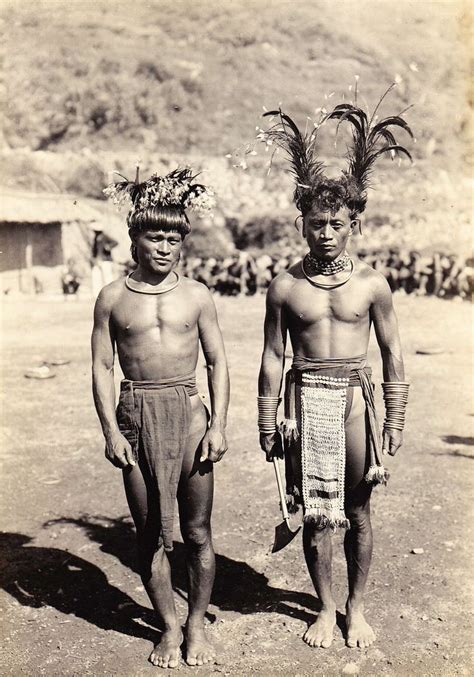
118 451
271 444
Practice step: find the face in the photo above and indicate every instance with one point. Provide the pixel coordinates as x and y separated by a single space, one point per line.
158 250
327 234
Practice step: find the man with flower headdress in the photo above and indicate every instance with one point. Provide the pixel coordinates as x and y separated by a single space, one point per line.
161 434
327 302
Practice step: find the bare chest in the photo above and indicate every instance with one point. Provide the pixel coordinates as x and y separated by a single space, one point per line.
140 313
308 305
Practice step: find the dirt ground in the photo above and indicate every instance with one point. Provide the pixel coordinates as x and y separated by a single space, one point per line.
71 600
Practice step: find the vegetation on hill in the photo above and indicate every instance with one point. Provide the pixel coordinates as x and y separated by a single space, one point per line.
100 83
180 76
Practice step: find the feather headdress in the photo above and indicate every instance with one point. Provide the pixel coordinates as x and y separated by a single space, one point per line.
370 140
300 149
176 189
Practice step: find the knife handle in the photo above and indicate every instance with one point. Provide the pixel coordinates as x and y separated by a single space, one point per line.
281 491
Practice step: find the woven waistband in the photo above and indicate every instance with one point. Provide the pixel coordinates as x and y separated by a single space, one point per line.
187 381
344 367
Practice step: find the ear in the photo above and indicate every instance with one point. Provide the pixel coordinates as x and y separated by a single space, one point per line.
300 216
355 223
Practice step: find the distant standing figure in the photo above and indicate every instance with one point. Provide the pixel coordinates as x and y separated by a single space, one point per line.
102 263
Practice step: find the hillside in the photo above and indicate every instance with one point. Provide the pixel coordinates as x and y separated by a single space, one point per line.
92 86
183 76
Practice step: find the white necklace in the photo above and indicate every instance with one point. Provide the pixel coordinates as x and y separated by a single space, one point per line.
170 287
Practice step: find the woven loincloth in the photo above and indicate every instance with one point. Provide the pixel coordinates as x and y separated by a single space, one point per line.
314 435
154 416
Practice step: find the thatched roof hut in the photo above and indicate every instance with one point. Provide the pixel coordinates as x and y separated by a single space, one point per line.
40 232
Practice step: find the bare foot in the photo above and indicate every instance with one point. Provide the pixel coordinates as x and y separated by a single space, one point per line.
199 650
166 653
359 632
320 633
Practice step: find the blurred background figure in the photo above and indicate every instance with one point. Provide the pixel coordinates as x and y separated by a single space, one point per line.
102 263
71 279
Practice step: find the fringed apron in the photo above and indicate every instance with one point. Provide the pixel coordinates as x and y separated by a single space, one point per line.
316 395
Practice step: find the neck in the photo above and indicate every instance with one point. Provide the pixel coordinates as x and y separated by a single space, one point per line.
324 260
320 266
150 277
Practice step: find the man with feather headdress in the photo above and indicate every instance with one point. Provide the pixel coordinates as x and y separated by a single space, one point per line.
161 435
327 302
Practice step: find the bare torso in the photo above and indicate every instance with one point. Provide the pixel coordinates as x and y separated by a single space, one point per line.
329 322
156 335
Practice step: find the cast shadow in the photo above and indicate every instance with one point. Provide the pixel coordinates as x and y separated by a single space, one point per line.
238 587
458 439
38 576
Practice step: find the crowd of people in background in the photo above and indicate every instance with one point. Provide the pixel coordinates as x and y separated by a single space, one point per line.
411 272
435 274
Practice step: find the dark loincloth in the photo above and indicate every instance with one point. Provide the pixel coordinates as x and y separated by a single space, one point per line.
318 397
154 416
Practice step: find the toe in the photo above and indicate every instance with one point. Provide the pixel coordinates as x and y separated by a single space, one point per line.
173 662
326 643
351 643
191 660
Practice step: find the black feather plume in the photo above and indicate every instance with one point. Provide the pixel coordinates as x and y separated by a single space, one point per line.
300 149
369 140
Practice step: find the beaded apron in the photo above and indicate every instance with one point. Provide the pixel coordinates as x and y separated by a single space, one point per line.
316 394
323 450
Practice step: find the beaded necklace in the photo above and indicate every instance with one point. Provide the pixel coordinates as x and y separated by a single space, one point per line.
327 286
316 266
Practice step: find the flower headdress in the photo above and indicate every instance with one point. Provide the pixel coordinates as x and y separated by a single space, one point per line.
370 140
177 189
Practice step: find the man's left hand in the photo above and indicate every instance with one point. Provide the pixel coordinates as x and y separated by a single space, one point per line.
392 441
214 445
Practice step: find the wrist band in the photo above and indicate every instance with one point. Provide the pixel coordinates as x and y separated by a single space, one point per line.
267 413
395 395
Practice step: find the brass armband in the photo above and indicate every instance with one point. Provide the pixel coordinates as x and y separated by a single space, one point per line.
395 395
267 413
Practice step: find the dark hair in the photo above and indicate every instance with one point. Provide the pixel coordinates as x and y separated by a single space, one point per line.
159 218
330 195
164 218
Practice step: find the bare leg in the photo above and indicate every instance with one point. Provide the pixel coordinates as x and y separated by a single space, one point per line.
153 564
195 494
318 553
358 540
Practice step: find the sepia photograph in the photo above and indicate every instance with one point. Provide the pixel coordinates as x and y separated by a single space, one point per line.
236 280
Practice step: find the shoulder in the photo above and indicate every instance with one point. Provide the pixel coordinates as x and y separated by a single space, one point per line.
378 288
109 295
374 278
194 287
282 284
197 291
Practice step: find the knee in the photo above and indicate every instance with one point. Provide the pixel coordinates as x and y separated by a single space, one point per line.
315 532
197 535
359 517
150 551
